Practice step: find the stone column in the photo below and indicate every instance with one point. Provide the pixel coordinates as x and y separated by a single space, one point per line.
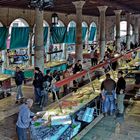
102 39
118 45
128 31
79 46
39 47
30 47
136 30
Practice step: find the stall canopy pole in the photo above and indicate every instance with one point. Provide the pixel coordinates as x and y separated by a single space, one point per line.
30 49
60 106
88 74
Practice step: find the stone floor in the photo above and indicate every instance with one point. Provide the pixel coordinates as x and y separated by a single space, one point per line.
109 127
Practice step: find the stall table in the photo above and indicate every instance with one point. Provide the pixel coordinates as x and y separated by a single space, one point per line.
71 105
5 81
55 65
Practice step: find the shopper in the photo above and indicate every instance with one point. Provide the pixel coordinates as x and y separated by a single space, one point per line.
120 91
46 88
48 77
54 89
24 119
19 78
95 60
92 56
108 95
38 85
77 67
70 60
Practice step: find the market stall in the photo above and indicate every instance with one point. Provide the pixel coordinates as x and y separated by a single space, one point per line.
55 65
29 70
65 119
5 81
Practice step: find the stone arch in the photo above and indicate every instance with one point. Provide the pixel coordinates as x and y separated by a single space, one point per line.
123 30
93 24
84 24
72 23
1 25
45 23
19 22
60 23
23 20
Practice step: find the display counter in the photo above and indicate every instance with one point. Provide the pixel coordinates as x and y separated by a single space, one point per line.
29 71
77 109
5 81
55 65
76 106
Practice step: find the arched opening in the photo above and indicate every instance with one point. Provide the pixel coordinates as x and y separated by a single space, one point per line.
45 23
85 35
84 24
72 24
18 40
71 36
1 25
57 46
123 31
60 24
18 23
92 33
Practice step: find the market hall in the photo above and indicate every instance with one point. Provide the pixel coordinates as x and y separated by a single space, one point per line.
69 70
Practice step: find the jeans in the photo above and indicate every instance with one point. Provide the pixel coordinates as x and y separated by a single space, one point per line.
108 104
37 92
19 92
120 104
44 97
21 133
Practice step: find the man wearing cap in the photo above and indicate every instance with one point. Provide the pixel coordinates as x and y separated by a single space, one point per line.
24 119
120 91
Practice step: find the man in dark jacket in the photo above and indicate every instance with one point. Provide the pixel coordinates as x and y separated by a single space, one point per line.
77 67
120 90
38 84
108 95
19 78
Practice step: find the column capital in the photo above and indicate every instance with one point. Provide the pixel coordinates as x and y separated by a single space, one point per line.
102 8
78 4
117 12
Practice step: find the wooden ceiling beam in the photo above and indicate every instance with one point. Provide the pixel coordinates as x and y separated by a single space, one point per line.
116 5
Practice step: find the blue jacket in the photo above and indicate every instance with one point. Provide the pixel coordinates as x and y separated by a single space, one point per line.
19 78
24 117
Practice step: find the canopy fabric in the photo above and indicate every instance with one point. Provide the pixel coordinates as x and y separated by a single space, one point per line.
58 34
3 37
45 35
92 33
19 37
84 31
71 36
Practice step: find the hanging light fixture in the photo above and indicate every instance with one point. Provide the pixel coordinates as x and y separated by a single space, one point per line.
41 4
54 19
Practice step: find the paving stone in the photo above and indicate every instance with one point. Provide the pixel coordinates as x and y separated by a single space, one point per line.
128 130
